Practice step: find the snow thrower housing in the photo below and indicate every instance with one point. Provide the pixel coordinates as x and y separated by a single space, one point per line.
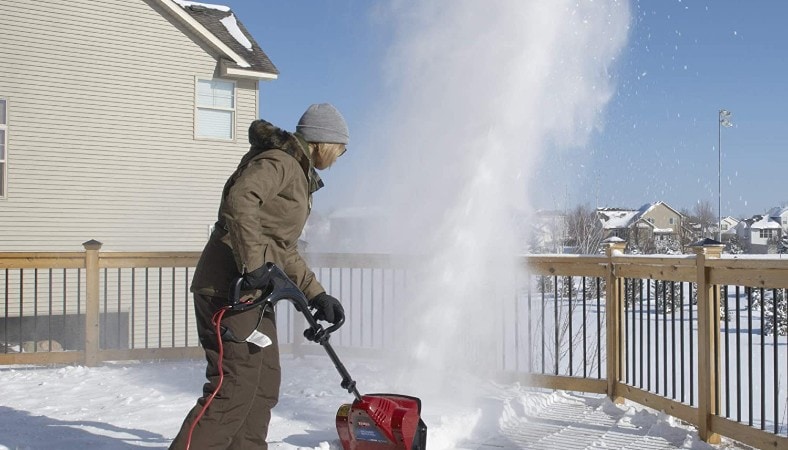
372 421
382 421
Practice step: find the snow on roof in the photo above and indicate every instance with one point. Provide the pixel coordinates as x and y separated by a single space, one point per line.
613 218
765 222
663 230
616 218
231 24
220 21
778 211
185 3
647 207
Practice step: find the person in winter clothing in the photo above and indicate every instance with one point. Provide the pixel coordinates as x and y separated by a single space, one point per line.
264 206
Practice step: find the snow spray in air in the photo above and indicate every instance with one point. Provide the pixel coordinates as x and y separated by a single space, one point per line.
479 90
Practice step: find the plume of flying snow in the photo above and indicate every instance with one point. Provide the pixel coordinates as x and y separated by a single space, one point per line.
477 92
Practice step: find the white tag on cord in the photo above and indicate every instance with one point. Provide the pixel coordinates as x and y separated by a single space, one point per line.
259 339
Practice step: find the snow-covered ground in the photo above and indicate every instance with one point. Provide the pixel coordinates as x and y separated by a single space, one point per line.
141 405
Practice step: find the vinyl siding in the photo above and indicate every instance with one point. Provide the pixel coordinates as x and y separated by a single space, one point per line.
101 128
661 216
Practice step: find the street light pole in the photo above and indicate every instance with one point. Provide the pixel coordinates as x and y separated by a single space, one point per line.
724 121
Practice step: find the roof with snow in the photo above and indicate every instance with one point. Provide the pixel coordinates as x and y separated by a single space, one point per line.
764 222
614 218
220 21
778 211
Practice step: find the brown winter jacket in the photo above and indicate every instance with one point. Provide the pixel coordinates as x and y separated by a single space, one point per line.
264 206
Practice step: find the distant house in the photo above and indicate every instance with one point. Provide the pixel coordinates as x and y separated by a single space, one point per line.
120 120
780 215
616 222
728 227
547 232
658 218
759 234
650 223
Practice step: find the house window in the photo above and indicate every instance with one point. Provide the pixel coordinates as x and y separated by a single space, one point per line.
767 234
215 109
672 220
3 145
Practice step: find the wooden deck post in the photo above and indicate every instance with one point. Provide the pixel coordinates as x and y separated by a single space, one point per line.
708 329
92 302
615 363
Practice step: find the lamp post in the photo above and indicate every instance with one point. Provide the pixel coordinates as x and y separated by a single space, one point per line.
724 121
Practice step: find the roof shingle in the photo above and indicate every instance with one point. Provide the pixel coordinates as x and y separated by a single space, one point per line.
211 17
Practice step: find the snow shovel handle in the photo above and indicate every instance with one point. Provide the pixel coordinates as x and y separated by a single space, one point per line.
278 286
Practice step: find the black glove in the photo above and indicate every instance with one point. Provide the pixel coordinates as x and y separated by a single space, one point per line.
256 279
328 308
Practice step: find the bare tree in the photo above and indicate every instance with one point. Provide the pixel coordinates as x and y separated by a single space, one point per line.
584 230
703 214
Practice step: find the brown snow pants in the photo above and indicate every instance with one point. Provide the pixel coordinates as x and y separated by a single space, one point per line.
237 418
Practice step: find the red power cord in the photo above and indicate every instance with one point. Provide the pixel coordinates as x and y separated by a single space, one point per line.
216 320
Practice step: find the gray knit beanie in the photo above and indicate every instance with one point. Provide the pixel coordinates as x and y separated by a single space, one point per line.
323 123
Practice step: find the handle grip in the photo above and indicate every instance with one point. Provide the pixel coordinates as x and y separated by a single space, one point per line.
278 286
234 298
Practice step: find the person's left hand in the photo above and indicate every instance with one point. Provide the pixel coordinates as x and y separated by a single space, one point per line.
255 279
327 308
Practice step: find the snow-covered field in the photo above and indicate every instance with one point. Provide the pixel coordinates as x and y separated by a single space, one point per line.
141 405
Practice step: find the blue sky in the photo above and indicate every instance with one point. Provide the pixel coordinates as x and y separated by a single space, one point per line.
683 61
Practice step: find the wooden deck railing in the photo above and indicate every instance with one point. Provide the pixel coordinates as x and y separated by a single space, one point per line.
643 328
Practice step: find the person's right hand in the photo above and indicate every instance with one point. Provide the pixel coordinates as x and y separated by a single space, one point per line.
328 308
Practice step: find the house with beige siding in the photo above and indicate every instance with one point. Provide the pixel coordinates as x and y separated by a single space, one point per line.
120 121
650 224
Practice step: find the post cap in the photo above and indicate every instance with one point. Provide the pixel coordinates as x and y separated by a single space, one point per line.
707 242
92 245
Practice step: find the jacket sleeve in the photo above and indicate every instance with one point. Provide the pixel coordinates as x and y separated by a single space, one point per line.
259 182
298 271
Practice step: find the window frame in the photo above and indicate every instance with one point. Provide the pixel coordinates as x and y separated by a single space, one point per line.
4 156
233 110
767 233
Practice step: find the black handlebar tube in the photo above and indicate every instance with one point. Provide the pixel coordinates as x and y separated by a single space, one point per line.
282 288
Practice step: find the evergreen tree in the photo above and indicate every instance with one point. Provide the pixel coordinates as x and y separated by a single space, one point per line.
544 284
783 246
567 287
667 295
775 299
734 246
754 298
669 246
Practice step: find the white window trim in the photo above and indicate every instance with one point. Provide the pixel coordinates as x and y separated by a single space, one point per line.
4 161
234 110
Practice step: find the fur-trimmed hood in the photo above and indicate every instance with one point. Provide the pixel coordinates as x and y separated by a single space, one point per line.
264 136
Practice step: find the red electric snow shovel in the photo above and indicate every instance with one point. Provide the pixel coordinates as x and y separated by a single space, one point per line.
372 421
